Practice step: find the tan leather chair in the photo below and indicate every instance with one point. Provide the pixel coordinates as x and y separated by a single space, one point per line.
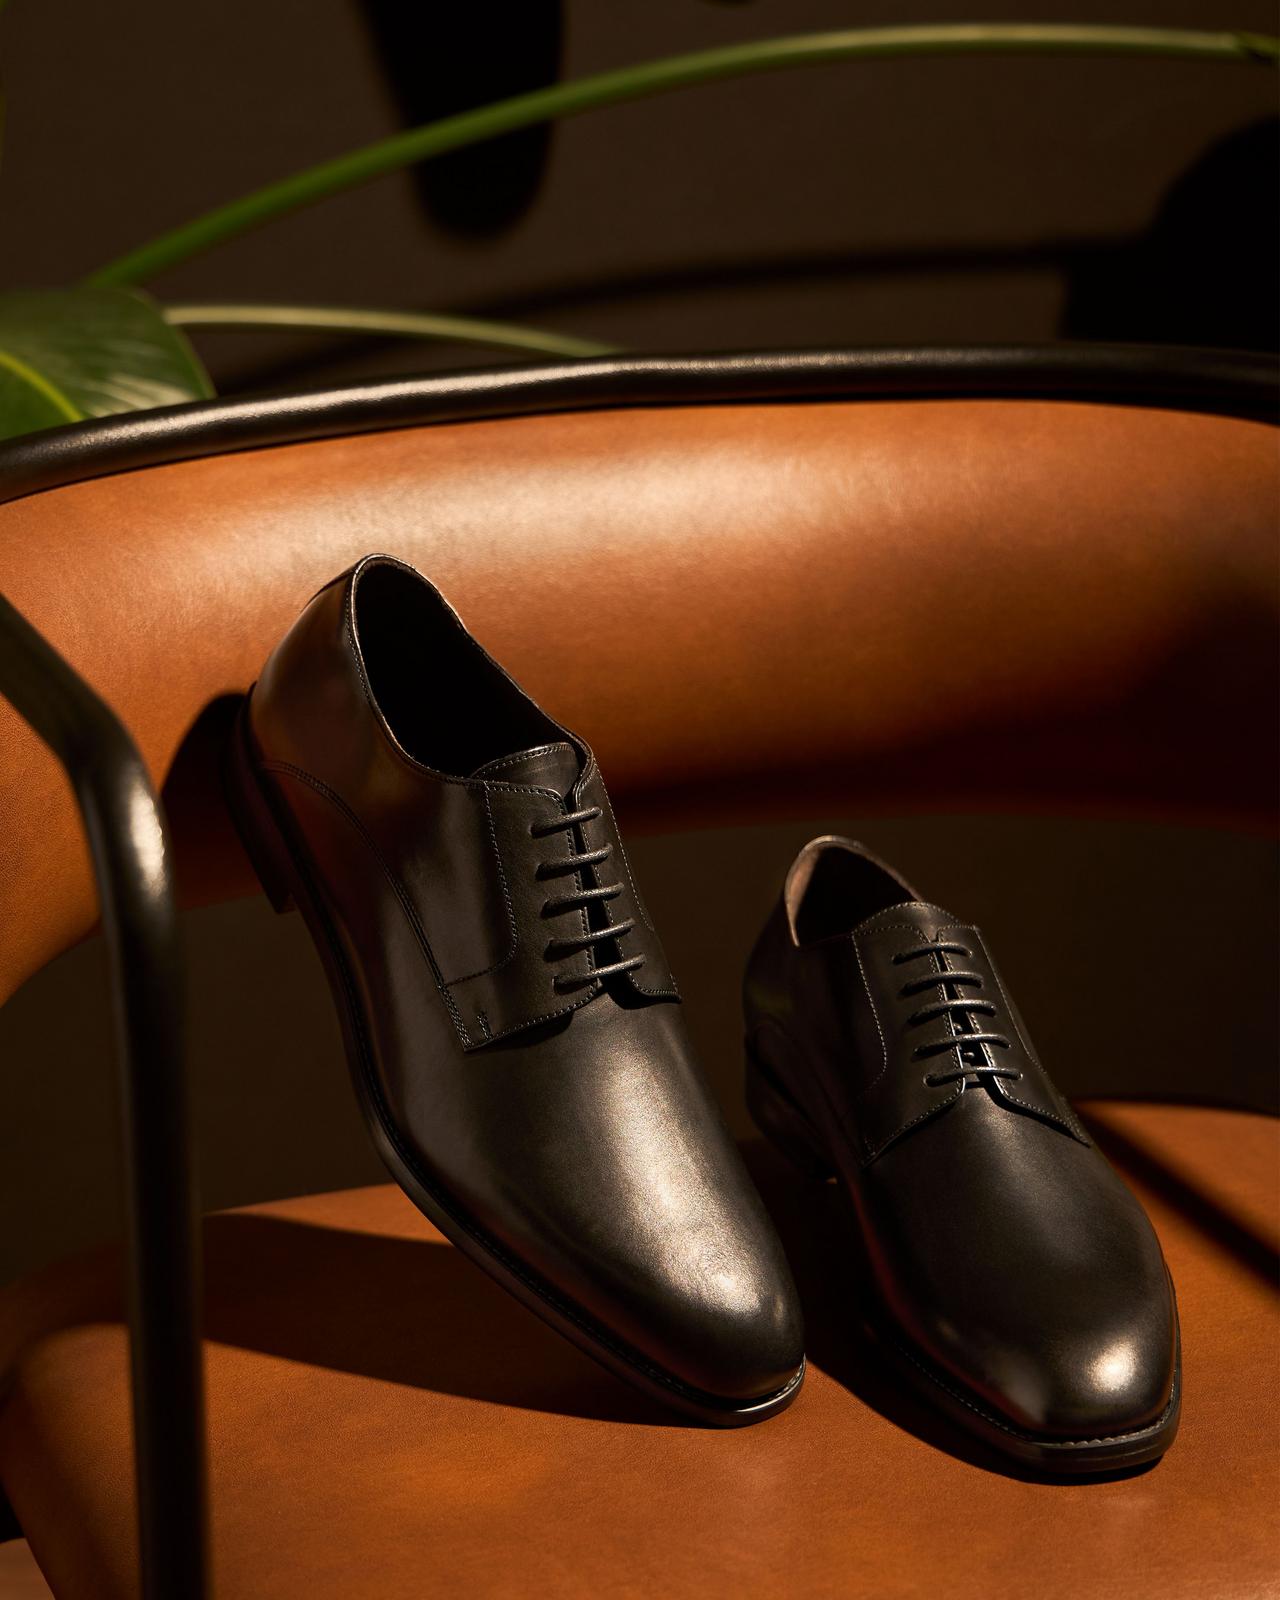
796 581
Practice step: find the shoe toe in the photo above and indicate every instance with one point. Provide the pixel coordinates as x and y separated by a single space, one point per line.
735 1331
1087 1387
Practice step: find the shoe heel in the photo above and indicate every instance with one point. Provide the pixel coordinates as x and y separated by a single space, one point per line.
251 812
782 1122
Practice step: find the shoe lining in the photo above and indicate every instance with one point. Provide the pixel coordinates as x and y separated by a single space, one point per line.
449 705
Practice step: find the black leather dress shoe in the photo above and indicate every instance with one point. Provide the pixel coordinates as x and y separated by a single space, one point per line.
1014 1277
513 1030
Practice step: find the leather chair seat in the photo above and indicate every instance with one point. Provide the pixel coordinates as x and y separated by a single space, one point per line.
385 1423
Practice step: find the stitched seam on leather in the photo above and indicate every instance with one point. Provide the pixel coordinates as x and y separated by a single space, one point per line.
515 1267
920 1116
420 769
870 1155
511 761
407 906
548 1016
510 956
875 1014
1027 1105
289 770
1039 1438
873 923
567 827
573 1005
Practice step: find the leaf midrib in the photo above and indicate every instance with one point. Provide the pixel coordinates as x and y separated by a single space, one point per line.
40 384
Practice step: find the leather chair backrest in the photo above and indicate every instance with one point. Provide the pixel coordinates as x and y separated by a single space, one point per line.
748 607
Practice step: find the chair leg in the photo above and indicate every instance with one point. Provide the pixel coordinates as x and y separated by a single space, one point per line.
132 868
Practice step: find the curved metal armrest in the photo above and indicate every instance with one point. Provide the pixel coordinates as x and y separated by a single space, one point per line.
132 870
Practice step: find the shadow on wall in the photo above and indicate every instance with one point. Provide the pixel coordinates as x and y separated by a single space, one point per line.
441 60
1206 271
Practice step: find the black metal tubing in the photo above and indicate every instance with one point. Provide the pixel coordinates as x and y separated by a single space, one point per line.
1226 382
132 868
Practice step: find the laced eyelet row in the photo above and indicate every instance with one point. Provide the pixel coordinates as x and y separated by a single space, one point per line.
579 899
959 1008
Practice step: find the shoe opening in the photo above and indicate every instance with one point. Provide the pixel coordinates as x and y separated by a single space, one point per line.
447 702
835 885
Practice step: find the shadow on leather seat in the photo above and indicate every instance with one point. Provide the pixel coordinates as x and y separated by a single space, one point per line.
380 1412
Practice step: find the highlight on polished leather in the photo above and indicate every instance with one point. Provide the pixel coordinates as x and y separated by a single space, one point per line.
1011 1276
514 1033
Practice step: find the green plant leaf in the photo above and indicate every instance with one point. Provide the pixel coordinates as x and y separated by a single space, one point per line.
68 354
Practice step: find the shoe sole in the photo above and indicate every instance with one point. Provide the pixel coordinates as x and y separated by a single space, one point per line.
282 871
787 1127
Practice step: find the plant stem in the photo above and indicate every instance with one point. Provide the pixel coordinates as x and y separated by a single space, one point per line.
655 77
413 324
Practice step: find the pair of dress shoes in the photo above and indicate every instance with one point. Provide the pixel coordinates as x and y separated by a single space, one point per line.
516 1043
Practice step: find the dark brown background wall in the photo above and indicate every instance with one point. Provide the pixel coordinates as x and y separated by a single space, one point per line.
933 201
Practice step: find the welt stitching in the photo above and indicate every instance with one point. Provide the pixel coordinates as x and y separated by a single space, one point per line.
406 904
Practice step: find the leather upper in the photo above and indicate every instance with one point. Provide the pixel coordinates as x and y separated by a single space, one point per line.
455 850
559 1110
900 1091
1003 1249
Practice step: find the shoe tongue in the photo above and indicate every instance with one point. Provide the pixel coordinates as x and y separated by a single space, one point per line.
548 766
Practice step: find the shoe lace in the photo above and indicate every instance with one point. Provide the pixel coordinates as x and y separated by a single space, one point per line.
581 899
959 1011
